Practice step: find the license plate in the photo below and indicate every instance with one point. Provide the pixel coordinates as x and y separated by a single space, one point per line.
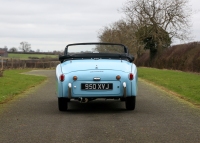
96 86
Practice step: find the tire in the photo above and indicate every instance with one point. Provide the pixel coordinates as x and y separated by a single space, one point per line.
122 99
130 102
63 104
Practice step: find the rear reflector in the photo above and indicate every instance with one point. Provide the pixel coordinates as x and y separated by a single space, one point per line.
75 77
130 76
62 77
118 77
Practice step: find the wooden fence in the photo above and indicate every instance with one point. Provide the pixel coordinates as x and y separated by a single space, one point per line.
9 63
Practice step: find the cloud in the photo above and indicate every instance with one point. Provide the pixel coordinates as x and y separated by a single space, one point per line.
52 24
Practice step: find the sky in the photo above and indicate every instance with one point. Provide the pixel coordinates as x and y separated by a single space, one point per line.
50 25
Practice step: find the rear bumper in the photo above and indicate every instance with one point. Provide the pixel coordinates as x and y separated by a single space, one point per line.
120 92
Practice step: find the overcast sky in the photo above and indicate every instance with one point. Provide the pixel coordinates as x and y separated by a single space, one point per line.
52 24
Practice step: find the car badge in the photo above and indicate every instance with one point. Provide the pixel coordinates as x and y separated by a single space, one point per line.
96 67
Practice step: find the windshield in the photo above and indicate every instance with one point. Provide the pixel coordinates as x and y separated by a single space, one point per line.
95 48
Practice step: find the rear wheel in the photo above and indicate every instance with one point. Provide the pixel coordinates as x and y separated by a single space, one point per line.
63 104
130 102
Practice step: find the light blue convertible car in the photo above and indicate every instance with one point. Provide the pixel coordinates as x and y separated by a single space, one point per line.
89 71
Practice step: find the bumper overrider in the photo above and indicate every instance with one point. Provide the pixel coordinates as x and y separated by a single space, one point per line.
69 90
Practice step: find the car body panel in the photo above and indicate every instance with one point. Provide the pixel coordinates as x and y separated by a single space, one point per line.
92 64
86 72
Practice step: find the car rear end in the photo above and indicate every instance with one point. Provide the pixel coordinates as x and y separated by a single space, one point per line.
96 84
86 80
96 70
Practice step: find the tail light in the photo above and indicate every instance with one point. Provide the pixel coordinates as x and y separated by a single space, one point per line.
62 77
131 76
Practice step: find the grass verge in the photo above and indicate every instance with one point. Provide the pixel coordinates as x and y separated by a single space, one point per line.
186 85
13 83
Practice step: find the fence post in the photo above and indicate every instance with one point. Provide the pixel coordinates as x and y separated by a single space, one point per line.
11 63
2 63
6 63
19 63
35 64
24 64
1 70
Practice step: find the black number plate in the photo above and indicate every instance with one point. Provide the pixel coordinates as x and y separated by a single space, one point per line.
96 86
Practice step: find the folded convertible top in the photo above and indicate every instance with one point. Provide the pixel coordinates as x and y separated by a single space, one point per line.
96 55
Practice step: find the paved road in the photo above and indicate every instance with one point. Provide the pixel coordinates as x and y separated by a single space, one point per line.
158 117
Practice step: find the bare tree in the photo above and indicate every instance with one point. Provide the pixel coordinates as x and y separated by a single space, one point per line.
13 49
58 52
38 50
171 16
121 32
5 48
25 46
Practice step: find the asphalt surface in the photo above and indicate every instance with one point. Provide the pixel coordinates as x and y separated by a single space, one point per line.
158 117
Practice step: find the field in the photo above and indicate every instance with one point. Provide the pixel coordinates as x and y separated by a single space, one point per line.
13 83
186 85
28 56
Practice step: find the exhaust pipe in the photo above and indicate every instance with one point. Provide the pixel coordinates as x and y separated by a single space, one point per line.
83 100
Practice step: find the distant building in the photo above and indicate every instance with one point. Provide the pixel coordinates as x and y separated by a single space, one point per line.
3 52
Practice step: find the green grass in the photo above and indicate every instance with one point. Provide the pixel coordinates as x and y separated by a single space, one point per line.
13 83
185 84
26 56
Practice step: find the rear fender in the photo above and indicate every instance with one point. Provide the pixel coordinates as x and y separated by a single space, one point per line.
134 81
62 87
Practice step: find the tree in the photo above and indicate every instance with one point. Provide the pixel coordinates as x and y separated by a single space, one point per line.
121 32
170 17
31 51
25 47
5 48
146 35
38 50
13 49
58 52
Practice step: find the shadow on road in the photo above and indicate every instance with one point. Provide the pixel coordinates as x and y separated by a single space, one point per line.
97 107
